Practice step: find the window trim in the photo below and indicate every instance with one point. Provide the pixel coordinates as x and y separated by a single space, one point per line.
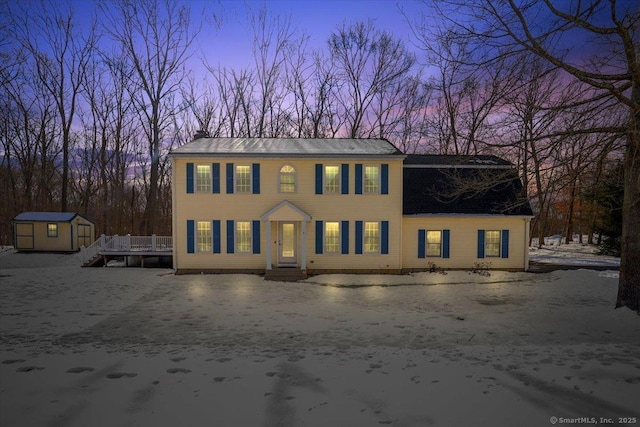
208 183
236 242
378 181
338 243
235 178
486 244
295 179
52 232
364 238
439 244
197 244
338 179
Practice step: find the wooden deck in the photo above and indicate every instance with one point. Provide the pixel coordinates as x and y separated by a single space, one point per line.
129 247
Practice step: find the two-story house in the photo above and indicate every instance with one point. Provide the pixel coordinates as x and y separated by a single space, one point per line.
326 205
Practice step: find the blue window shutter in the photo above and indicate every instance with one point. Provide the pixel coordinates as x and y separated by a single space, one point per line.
216 237
422 240
358 178
480 243
318 178
215 177
229 178
191 236
505 244
255 230
344 236
319 237
344 176
231 230
189 178
384 237
359 227
446 238
384 179
256 178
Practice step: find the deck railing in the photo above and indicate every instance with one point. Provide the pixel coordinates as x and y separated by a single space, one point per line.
128 243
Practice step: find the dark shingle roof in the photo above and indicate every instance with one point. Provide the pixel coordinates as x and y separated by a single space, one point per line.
445 189
455 160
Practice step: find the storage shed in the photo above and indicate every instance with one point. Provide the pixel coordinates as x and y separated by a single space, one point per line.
52 231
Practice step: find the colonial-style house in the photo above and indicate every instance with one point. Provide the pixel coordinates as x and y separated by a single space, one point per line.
52 231
298 205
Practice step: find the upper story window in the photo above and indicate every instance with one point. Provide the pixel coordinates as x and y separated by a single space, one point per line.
331 179
372 179
243 179
492 243
52 230
287 179
203 178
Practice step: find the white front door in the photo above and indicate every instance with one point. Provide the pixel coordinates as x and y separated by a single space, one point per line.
287 243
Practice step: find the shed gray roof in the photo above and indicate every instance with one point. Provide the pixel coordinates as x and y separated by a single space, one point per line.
46 216
287 146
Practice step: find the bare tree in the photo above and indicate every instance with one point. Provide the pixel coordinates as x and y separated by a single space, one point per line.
368 61
156 36
59 54
547 29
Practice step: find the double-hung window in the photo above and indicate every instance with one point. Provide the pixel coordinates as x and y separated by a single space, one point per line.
434 243
287 179
492 243
52 230
203 178
331 179
332 242
243 179
371 179
203 236
243 237
371 237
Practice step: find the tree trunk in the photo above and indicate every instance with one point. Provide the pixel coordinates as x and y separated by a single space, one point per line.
629 284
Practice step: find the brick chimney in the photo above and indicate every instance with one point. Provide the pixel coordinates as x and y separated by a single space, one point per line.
201 134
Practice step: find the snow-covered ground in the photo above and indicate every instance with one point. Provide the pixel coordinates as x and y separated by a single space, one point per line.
554 251
142 347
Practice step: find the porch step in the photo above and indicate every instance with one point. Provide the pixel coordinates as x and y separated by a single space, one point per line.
285 274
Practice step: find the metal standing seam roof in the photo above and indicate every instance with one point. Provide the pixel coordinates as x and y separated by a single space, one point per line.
287 146
46 216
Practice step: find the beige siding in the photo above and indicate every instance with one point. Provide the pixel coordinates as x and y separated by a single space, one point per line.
463 241
248 207
65 241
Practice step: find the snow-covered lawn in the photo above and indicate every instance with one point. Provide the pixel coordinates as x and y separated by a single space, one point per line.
142 347
554 251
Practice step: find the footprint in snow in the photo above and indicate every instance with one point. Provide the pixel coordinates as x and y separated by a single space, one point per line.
178 359
178 370
10 361
79 370
116 375
29 368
